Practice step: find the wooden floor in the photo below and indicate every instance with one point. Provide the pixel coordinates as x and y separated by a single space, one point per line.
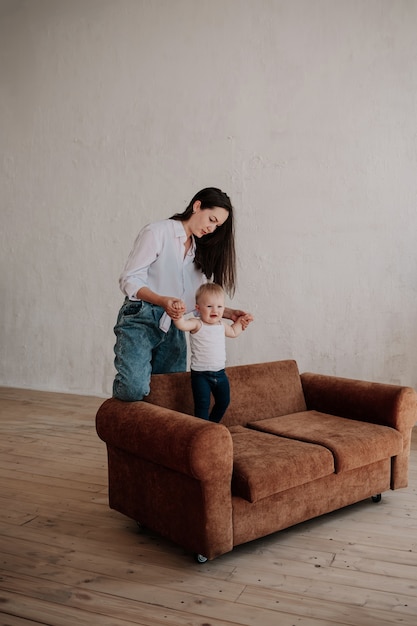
68 560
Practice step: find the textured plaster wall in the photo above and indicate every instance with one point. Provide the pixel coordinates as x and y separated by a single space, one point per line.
114 112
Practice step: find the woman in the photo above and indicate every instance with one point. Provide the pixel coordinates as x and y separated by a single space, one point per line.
170 259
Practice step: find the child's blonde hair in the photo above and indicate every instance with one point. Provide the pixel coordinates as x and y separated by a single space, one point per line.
208 288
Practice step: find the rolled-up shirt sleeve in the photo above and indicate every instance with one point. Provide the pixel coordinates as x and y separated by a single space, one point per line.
135 273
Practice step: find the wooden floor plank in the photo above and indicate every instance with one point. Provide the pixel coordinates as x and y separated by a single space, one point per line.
57 612
14 620
335 610
129 601
64 565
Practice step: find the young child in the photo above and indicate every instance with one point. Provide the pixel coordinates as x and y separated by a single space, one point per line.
208 350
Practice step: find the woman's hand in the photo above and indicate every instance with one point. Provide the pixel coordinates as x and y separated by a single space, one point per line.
245 320
236 314
174 307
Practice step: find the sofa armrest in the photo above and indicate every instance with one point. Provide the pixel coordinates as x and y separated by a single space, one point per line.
379 403
198 448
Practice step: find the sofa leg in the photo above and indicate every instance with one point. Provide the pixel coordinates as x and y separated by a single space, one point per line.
200 558
376 498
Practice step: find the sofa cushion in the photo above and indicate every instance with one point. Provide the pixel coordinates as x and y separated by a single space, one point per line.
263 390
353 443
264 464
259 391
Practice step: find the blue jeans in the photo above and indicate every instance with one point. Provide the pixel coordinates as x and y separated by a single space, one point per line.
142 349
205 383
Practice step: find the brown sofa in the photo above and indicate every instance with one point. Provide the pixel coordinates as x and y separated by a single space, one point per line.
289 448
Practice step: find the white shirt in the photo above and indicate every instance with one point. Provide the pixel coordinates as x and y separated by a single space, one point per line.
208 348
157 261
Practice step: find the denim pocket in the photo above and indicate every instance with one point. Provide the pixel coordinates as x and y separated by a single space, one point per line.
132 308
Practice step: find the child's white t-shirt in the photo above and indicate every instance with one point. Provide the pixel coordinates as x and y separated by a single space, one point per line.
208 348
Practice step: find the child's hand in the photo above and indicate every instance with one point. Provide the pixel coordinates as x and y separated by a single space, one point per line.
175 308
238 315
245 320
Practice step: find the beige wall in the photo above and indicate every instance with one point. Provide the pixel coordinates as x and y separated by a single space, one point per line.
115 112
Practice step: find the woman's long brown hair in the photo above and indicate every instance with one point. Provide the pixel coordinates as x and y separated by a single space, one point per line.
215 252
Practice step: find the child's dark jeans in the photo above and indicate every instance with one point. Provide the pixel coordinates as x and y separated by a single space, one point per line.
205 383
